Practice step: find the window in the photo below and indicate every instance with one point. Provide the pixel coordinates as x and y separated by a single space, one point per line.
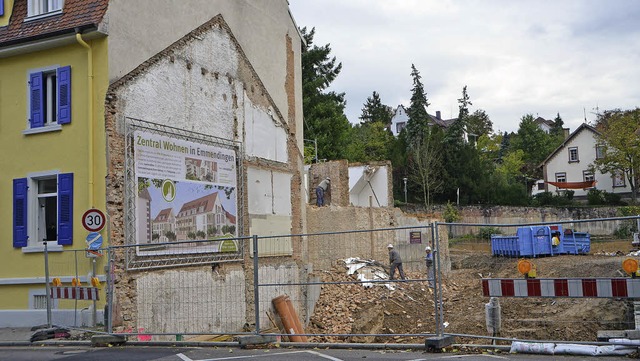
599 151
540 186
618 179
400 126
587 176
561 177
573 154
43 210
44 7
49 98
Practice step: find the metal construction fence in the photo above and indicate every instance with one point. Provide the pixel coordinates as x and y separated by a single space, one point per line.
565 311
335 287
73 287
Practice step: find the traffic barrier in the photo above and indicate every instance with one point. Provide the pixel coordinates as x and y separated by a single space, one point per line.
75 293
562 287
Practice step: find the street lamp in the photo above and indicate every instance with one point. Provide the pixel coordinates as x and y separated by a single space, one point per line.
405 189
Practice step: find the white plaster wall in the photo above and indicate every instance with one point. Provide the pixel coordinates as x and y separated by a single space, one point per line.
191 301
586 143
142 28
289 273
265 137
400 116
172 94
360 191
270 213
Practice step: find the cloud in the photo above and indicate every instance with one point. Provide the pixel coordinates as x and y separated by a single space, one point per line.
543 57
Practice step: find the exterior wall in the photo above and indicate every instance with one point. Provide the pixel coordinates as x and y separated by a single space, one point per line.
400 116
375 185
8 7
204 83
338 192
259 26
585 140
324 251
66 151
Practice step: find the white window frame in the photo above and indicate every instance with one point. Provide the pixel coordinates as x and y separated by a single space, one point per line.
618 175
561 177
50 122
37 9
577 157
600 151
33 209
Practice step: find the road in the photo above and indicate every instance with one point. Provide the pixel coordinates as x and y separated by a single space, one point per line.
84 353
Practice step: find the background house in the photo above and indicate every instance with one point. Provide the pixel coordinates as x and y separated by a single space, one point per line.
571 163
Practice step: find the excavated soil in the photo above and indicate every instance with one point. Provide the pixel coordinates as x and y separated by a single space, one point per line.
409 308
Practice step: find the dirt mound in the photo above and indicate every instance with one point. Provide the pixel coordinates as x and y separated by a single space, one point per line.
409 307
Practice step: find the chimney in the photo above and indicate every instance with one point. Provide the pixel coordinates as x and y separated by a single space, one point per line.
438 115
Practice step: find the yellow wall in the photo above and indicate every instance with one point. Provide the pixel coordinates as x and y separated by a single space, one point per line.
65 151
8 7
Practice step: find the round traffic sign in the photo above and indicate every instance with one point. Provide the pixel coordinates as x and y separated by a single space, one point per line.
93 220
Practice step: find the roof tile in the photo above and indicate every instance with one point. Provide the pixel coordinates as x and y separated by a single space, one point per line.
75 13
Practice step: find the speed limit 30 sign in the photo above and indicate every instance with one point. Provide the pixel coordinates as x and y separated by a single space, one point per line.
93 220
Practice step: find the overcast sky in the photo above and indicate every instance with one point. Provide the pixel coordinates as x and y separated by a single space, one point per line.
516 57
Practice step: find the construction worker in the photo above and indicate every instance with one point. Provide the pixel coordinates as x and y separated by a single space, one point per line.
395 262
320 189
428 259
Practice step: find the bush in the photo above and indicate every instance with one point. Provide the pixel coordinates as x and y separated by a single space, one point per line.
613 199
595 197
486 232
451 213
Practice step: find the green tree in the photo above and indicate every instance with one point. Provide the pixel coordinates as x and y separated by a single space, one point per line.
374 111
324 118
369 142
425 164
417 112
535 143
620 137
479 124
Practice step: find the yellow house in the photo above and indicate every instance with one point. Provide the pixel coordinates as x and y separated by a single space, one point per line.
53 72
72 74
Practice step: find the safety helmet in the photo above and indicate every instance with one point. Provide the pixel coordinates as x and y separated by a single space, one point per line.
427 248
390 245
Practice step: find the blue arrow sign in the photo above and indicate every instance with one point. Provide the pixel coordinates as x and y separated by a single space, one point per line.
94 240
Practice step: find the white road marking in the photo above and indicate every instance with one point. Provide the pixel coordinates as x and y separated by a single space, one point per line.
183 357
324 356
250 356
460 356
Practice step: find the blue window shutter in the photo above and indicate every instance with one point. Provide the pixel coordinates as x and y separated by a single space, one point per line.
64 95
20 212
65 209
37 101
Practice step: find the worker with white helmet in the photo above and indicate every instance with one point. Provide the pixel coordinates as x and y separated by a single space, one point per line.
320 190
428 259
395 262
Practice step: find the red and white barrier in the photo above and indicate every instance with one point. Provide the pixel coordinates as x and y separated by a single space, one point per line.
562 287
75 293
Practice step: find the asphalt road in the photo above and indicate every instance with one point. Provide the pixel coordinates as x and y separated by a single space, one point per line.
84 353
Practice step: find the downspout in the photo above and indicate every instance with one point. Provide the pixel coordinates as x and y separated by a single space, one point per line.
91 118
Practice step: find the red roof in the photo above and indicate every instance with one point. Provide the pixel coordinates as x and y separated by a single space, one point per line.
75 14
207 202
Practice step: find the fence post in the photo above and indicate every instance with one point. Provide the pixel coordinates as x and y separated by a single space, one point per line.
47 286
256 296
435 277
438 276
109 293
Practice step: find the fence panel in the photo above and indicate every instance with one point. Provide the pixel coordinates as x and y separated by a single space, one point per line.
75 292
338 288
541 315
183 289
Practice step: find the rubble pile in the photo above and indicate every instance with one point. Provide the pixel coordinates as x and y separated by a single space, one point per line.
408 307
